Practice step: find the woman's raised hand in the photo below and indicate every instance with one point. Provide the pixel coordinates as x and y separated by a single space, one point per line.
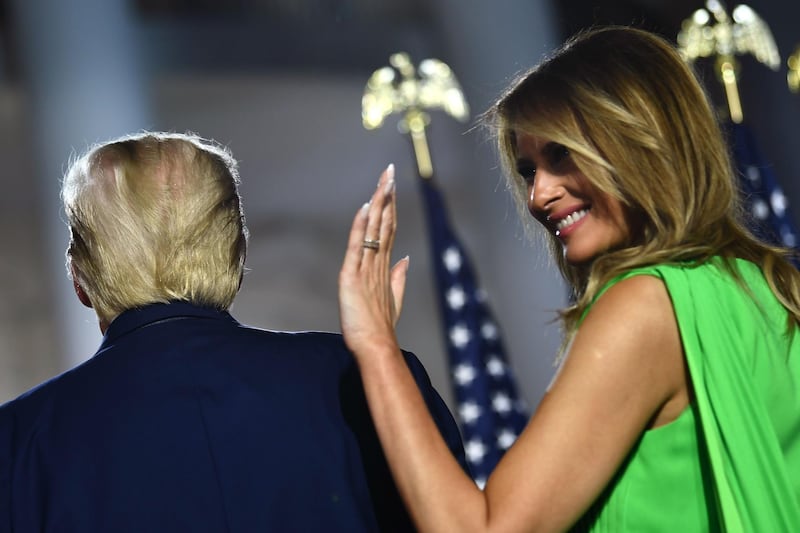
370 294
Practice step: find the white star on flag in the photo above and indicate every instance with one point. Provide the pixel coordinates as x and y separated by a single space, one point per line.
460 335
456 297
505 439
489 330
495 367
452 259
469 412
778 201
501 403
789 238
464 374
475 449
753 174
760 209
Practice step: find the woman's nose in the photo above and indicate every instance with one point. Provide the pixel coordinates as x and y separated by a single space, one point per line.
545 190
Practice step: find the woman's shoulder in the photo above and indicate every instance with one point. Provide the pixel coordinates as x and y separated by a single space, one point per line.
637 307
636 310
640 293
634 283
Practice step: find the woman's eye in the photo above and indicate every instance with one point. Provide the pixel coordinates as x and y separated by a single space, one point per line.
558 154
528 173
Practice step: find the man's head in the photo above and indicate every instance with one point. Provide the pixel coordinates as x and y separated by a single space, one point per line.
154 217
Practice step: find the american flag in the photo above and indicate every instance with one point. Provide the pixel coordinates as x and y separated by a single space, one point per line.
764 199
490 413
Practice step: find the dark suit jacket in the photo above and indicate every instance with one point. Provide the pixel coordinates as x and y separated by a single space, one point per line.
186 420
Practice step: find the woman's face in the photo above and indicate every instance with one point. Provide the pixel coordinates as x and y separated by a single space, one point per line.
586 221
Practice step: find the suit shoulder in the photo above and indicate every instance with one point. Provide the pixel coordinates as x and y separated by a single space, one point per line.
41 392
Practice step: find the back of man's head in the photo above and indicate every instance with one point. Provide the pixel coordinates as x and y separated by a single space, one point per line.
155 217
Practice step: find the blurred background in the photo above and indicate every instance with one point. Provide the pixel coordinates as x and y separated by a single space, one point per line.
280 82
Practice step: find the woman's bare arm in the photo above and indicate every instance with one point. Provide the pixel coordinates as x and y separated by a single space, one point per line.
624 372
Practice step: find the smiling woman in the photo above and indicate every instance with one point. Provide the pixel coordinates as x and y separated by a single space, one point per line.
586 221
664 416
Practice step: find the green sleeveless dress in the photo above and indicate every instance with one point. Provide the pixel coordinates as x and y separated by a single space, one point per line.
731 460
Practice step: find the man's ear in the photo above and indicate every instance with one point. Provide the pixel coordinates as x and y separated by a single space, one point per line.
82 296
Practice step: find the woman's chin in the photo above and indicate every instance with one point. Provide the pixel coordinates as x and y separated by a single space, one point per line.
577 258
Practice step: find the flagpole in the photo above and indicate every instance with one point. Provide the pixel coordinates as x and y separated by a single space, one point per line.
414 123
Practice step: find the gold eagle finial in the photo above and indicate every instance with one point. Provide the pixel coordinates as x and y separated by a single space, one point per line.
711 32
402 88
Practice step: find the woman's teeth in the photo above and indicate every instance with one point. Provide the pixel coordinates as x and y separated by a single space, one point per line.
571 219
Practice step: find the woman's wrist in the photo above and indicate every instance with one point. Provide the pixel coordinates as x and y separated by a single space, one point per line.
377 351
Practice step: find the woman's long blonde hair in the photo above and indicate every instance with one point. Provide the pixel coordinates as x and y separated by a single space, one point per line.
640 127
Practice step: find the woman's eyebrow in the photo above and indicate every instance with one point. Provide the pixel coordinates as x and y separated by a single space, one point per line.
548 148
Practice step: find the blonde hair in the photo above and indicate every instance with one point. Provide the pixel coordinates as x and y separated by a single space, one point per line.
641 129
155 217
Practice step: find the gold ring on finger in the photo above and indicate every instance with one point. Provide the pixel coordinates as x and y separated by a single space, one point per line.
372 244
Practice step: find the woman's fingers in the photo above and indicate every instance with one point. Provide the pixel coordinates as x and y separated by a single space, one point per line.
389 212
381 199
354 252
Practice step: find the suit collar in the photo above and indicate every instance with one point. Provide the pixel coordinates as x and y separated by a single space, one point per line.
134 319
